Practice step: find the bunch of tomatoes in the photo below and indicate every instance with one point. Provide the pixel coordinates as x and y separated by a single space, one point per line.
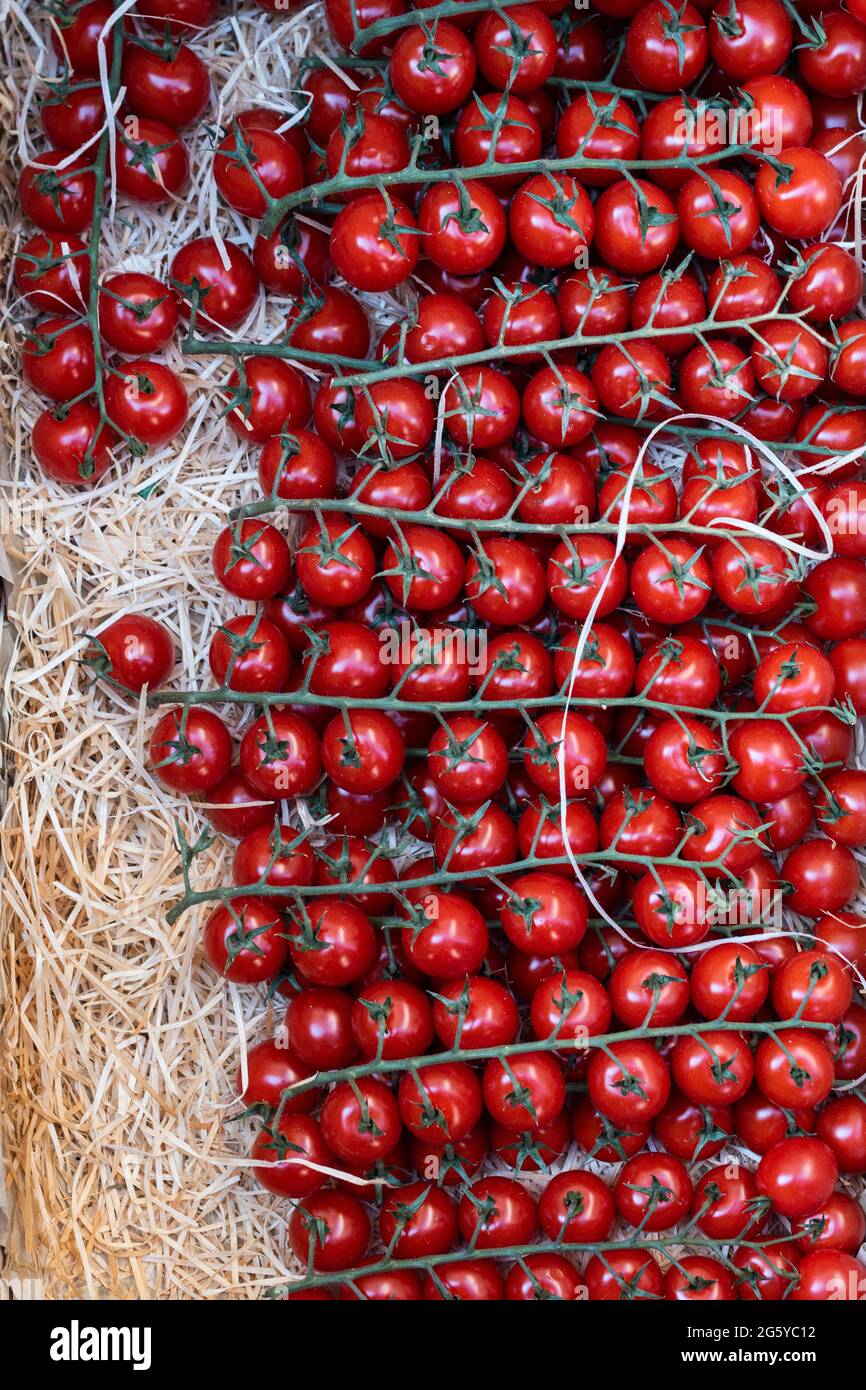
545 803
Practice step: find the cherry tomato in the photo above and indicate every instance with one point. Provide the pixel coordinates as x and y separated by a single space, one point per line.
190 751
172 86
136 651
245 941
58 199
58 359
329 1230
147 401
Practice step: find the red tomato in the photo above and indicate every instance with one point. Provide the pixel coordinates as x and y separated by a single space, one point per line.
830 1275
53 272
57 199
136 651
190 751
624 237
798 1175
172 86
152 161
57 359
245 941
804 200
794 1068
661 60
442 1103
137 313
329 1230
280 756
297 1137
496 1212
623 1274
253 166
147 401
517 50
630 1084
551 220
251 560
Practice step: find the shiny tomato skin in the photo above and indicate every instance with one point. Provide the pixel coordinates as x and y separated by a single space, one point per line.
286 765
798 1175
389 1286
360 1122
614 1091
235 808
805 202
429 1229
331 1230
658 61
471 1280
451 1090
52 272
842 1125
551 220
537 1097
173 87
459 250
263 667
272 396
768 1273
576 1207
693 1131
58 201
553 1012
78 38
490 1018
648 986
494 42
726 1205
703 228
191 754
829 1275
292 860
755 41
698 1278
318 1023
618 237
542 1277
364 248
251 560
223 294
812 985
245 943
729 979
146 319
497 1212
58 360
139 651
623 1274
72 444
653 1191
152 162
147 401
837 64
270 1070
824 876
794 1068
544 914
713 1069
276 164
297 1136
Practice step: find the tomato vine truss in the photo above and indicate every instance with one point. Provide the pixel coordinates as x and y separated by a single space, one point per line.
357 377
